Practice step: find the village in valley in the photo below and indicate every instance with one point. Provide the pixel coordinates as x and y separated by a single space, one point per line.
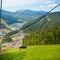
16 39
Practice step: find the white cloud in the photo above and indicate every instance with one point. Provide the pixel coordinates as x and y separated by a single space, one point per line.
41 7
52 5
49 2
10 3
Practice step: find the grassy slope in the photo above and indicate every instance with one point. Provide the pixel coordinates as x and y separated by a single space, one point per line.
43 52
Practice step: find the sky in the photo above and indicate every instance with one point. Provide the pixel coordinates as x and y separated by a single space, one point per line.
36 5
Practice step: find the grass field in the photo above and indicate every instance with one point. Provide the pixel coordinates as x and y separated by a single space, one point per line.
43 52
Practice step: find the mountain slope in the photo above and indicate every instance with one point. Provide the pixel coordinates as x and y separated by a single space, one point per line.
8 17
14 26
51 20
3 24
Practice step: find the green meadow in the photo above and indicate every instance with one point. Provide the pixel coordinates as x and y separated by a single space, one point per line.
42 52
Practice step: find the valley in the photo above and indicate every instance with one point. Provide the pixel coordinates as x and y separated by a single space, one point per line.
14 22
29 30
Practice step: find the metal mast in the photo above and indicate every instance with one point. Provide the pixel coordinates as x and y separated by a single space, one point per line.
0 21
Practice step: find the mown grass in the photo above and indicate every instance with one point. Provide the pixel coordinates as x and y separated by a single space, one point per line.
43 52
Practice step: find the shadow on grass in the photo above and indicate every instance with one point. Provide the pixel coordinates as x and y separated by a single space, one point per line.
12 56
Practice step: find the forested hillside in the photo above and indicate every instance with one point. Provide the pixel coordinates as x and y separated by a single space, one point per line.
43 37
3 24
44 31
51 20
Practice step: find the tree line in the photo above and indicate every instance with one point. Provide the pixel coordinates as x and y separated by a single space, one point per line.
42 37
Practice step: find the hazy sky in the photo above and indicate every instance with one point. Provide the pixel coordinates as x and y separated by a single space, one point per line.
13 5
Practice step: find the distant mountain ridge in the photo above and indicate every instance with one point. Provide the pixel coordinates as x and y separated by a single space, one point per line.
30 12
13 17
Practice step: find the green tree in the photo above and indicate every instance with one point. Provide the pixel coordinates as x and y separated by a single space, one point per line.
7 39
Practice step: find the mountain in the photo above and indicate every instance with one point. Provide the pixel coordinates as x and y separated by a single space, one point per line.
26 15
17 19
30 15
25 19
51 20
8 17
30 12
